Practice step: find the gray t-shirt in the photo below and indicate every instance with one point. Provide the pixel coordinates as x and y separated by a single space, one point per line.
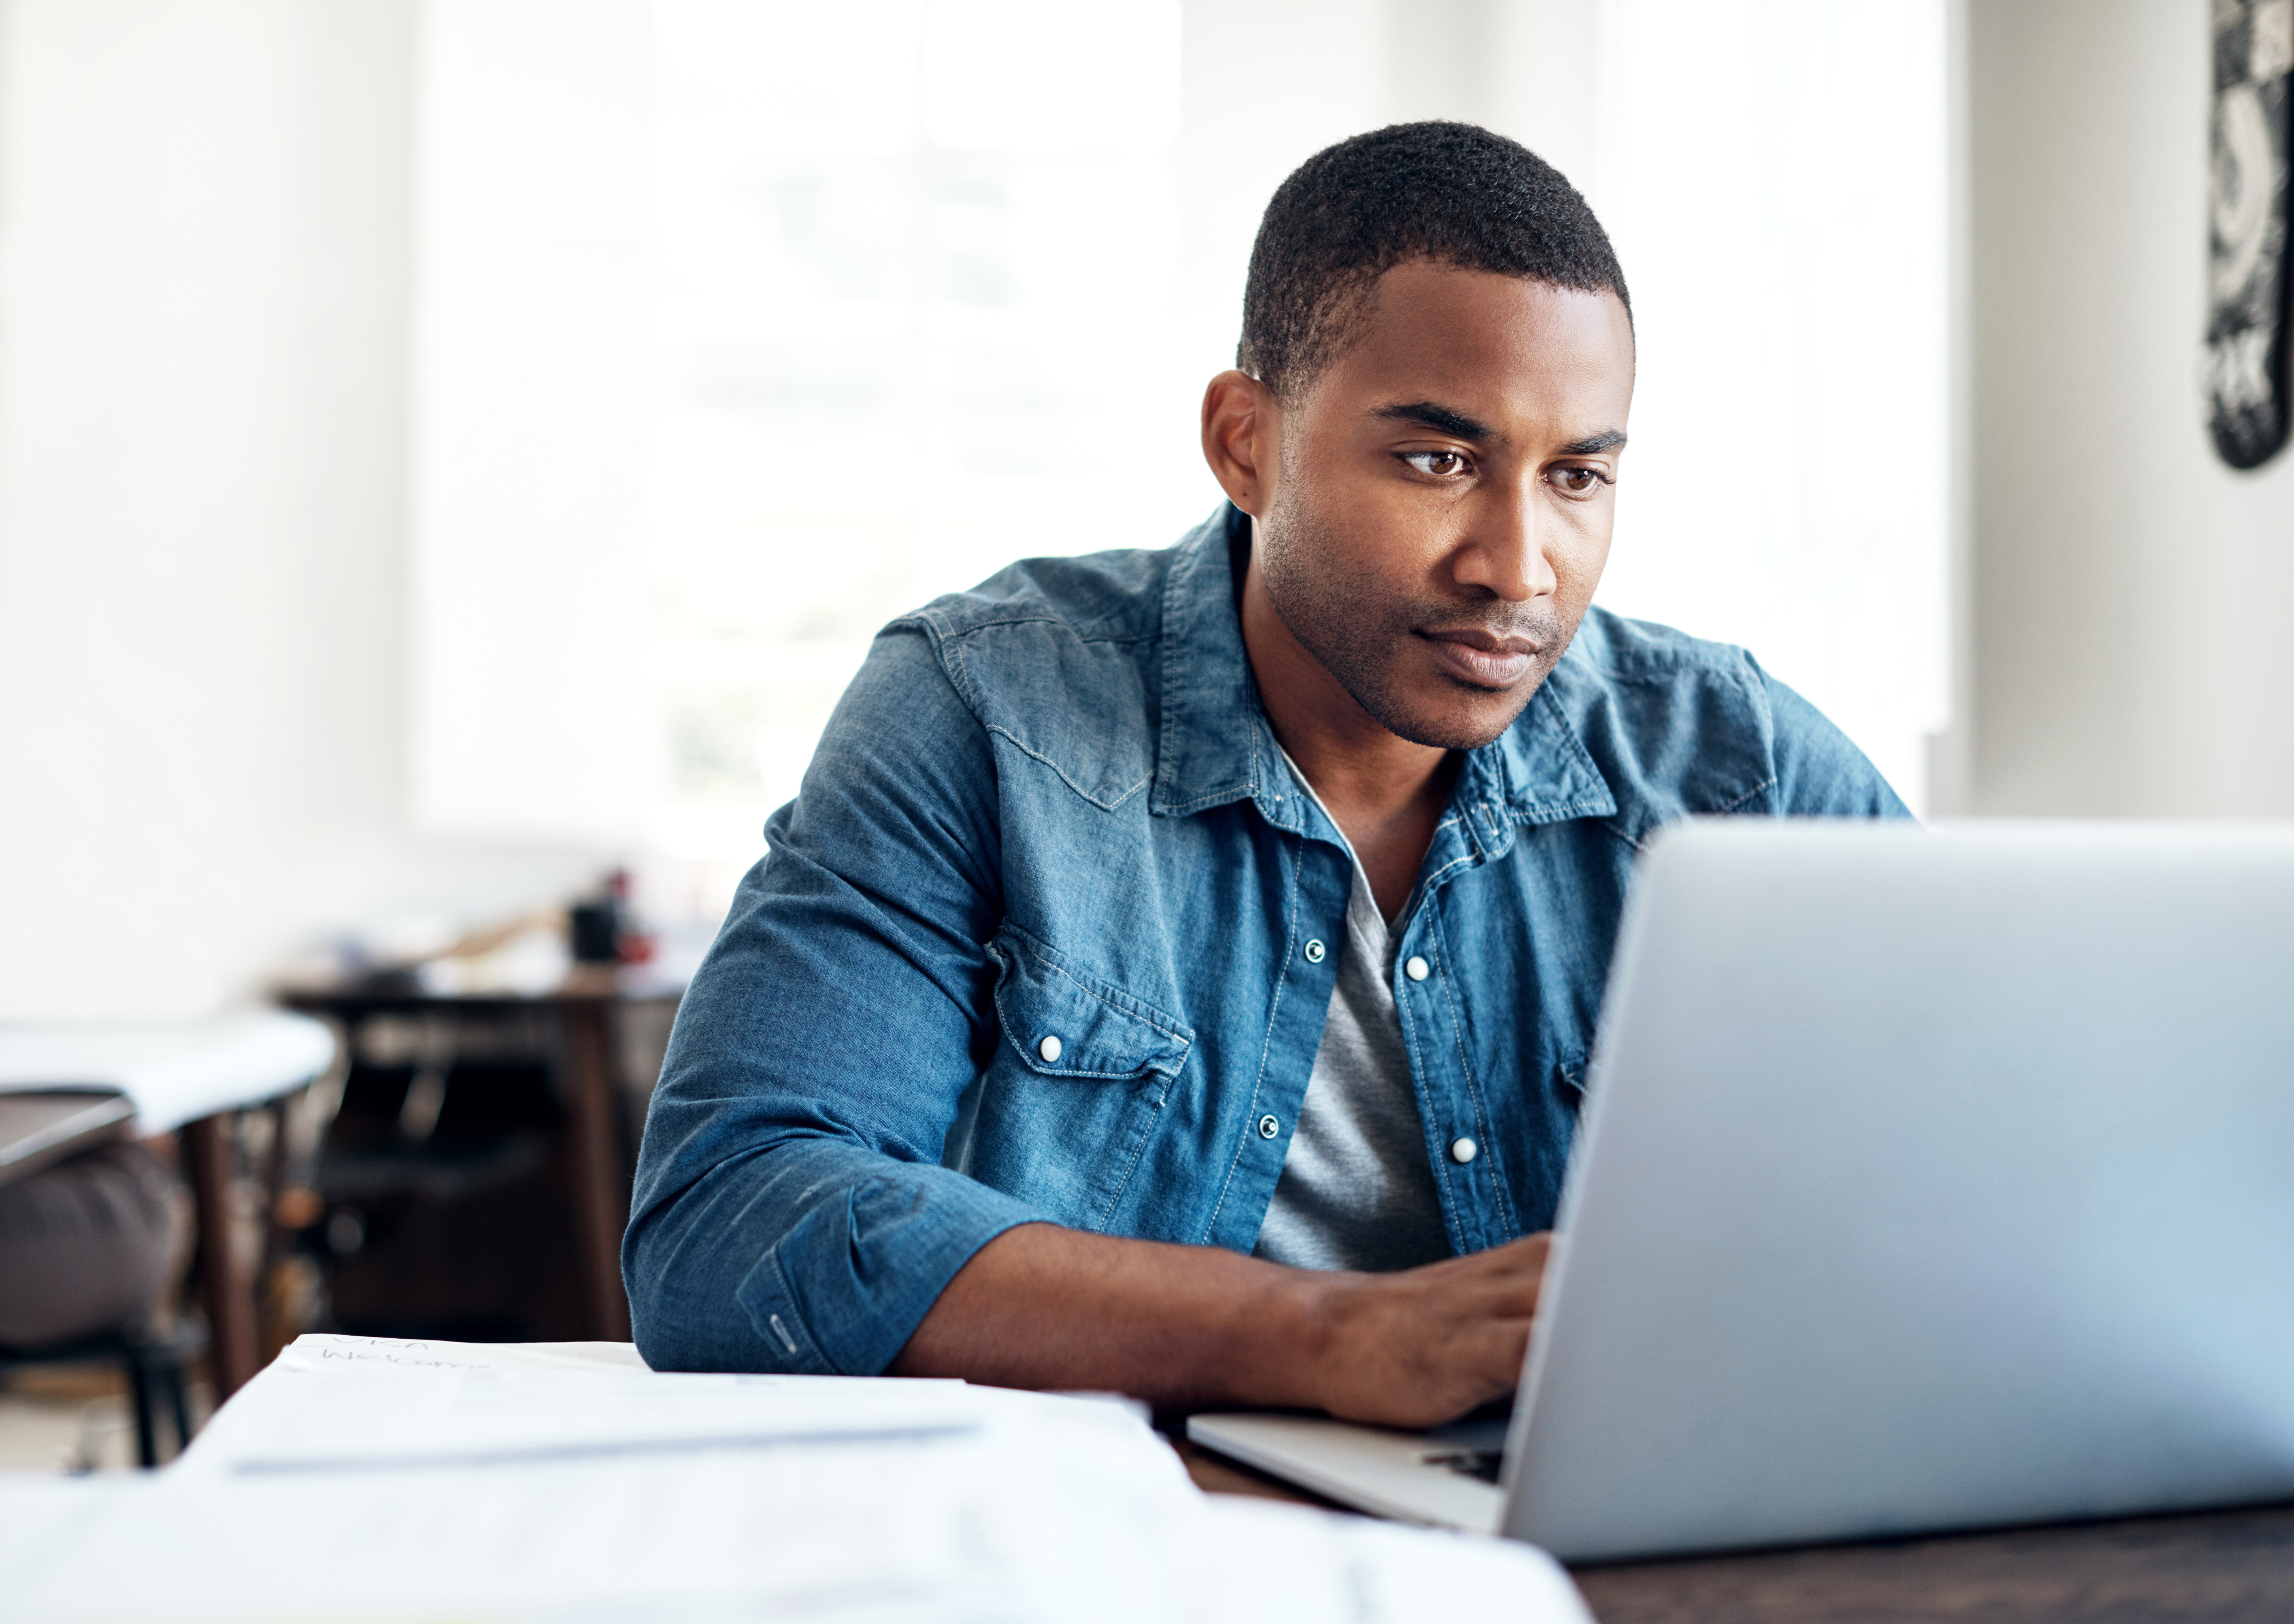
1356 1189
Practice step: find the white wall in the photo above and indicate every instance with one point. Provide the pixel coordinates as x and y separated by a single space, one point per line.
530 403
203 251
1775 174
2130 654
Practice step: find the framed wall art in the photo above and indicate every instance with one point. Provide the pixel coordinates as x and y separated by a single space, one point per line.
2246 355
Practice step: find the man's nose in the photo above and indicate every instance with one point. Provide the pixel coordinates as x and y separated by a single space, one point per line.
1505 547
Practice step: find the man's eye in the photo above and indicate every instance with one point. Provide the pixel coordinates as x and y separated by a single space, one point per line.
1579 480
1440 464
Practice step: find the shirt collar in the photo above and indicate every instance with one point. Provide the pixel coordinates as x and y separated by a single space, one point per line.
1215 746
1214 734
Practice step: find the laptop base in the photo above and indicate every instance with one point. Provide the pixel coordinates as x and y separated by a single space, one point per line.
1443 1478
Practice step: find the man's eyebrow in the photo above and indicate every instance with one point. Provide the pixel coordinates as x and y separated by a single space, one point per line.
1447 420
1441 418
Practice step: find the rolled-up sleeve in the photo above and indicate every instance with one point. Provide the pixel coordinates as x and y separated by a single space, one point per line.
791 1210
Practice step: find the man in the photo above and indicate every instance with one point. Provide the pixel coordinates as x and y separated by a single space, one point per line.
1176 973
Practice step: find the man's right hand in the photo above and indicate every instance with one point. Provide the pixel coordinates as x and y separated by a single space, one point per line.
1423 1346
1199 1327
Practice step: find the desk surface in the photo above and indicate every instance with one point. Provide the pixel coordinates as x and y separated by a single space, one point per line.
399 994
175 1071
2222 1567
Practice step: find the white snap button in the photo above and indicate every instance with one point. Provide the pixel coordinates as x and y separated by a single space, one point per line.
1050 1050
1464 1150
1268 1127
1314 952
1417 968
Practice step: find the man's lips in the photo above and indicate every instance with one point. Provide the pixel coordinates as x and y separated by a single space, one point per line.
1481 657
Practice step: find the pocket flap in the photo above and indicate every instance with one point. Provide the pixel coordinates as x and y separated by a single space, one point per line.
1062 1023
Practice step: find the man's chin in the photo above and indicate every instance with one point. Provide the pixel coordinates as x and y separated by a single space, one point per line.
1454 726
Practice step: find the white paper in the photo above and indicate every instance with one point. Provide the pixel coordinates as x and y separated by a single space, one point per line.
359 1479
43 1515
345 1402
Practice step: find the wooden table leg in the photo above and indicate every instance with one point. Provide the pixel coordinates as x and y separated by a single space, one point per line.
272 1332
227 1291
601 1199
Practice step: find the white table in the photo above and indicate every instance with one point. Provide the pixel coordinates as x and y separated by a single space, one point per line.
188 1077
175 1071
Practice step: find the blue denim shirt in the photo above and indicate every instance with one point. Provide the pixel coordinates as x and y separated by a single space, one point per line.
1039 940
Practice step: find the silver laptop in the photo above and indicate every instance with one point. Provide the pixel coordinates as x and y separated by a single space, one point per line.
1929 1180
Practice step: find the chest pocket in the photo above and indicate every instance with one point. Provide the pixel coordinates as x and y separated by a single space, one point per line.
1062 1023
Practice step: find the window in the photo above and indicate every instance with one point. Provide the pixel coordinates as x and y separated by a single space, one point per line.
913 320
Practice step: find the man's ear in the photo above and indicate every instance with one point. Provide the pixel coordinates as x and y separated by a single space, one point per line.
1243 432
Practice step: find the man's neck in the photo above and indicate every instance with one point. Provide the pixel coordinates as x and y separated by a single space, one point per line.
1386 793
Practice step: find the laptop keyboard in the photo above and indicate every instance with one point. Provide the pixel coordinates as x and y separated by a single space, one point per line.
1467 1463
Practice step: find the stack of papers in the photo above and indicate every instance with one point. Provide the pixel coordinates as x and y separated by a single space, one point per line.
362 1479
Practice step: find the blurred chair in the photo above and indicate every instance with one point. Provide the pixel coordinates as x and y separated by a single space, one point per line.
155 1367
479 1167
88 1231
101 1082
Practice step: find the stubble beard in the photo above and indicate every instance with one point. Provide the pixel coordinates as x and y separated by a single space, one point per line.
1362 638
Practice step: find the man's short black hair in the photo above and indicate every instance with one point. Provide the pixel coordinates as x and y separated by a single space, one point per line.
1453 193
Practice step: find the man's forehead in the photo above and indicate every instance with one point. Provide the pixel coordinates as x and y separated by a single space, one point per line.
1474 345
1408 283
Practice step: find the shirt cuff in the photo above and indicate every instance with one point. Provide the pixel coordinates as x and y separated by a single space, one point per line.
846 1284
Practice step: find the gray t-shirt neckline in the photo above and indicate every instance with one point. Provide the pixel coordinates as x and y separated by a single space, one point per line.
1356 1189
